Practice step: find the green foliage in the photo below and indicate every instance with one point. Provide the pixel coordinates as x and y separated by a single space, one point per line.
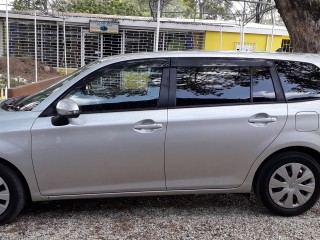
110 7
209 9
22 4
124 7
85 6
176 8
31 4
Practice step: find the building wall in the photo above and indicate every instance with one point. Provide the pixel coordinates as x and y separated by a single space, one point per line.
260 42
2 42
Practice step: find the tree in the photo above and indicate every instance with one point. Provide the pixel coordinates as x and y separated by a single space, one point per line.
301 18
261 10
178 8
42 5
154 7
110 7
258 11
210 9
31 4
22 4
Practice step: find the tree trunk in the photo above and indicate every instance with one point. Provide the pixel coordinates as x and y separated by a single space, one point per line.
153 4
301 18
201 8
45 5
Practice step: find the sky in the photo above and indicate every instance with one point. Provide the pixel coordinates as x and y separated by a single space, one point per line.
3 4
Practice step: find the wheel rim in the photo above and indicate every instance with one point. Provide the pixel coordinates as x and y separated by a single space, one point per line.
4 196
291 185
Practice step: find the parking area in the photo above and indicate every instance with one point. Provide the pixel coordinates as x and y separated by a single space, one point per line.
221 216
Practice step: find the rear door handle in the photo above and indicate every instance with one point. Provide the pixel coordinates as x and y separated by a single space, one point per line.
262 120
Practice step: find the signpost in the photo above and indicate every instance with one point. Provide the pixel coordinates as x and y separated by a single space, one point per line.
104 27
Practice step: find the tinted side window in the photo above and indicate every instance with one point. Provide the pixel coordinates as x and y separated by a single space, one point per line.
212 85
126 85
299 80
262 85
221 85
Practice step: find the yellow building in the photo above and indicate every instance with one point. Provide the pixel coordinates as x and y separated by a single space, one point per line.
257 37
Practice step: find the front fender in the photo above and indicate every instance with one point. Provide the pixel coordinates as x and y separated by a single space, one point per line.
15 146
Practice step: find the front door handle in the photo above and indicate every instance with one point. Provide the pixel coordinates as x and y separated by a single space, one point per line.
147 126
153 126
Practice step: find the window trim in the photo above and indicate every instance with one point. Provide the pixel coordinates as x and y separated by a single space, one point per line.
173 88
225 62
281 86
277 84
218 62
50 111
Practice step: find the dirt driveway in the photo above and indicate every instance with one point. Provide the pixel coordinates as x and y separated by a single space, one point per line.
221 216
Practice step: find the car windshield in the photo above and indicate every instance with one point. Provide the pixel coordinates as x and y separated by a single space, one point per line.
27 103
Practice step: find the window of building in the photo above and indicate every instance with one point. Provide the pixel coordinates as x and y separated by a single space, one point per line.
286 45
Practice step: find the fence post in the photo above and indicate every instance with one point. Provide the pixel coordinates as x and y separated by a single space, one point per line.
272 34
158 27
8 55
65 46
82 47
101 45
58 47
35 45
41 43
123 42
221 37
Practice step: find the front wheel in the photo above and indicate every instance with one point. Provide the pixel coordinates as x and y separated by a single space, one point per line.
289 183
12 194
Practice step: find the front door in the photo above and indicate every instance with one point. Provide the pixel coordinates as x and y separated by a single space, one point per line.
117 142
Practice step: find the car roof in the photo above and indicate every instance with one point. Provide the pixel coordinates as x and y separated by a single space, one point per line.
302 57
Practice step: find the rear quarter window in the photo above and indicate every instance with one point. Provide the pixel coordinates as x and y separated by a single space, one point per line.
300 81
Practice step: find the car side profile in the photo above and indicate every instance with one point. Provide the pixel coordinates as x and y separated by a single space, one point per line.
168 123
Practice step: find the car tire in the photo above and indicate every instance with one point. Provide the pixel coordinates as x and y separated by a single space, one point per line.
289 183
12 194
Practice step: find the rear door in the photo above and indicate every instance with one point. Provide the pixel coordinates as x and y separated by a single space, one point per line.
223 115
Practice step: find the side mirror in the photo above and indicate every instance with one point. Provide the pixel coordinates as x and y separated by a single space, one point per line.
68 108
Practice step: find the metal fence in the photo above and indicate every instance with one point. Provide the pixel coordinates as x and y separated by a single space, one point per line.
82 47
68 45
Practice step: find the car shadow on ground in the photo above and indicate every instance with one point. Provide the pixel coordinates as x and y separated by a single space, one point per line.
218 203
211 216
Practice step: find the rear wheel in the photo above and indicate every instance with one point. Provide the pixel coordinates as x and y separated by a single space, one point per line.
12 194
289 184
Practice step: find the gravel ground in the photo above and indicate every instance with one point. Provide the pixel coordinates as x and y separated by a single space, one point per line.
220 216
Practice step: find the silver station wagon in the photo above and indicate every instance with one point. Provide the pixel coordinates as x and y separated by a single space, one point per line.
168 123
